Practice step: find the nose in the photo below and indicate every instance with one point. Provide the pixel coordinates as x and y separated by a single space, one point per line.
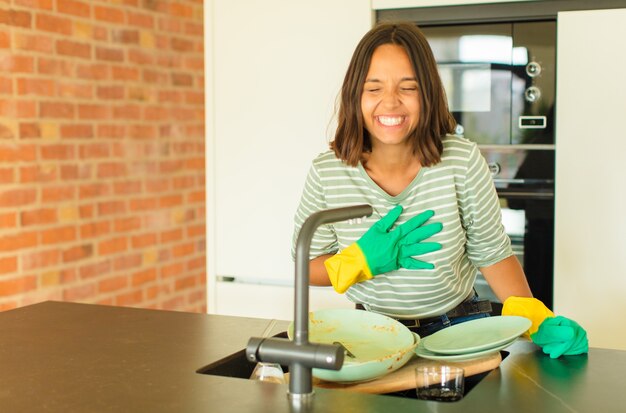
390 98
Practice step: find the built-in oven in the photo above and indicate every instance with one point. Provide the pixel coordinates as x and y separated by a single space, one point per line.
500 84
498 66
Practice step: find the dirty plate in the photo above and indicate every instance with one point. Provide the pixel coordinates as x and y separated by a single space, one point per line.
379 344
476 335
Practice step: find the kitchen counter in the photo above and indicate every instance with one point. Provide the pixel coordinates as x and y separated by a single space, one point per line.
65 357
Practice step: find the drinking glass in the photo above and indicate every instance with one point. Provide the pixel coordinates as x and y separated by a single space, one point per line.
440 383
269 372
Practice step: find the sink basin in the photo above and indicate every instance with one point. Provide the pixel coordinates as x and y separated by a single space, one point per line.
236 365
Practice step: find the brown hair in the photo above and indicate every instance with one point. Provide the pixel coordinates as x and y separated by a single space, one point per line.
351 137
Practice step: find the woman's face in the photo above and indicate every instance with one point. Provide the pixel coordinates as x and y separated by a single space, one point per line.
390 98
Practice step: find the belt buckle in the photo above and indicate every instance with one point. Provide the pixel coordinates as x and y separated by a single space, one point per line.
411 323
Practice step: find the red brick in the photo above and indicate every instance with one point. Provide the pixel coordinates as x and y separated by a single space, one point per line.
196 197
59 235
127 111
129 299
75 90
127 224
93 190
74 49
196 264
112 246
171 235
15 18
111 208
185 283
8 220
37 174
112 170
8 305
6 85
35 4
8 264
34 42
113 284
110 92
18 64
77 253
172 270
127 187
144 240
17 197
182 79
95 229
29 130
59 152
51 194
194 231
7 175
124 73
42 216
19 241
95 150
108 14
98 269
94 111
56 67
73 7
142 20
143 277
17 285
57 110
109 54
55 24
79 292
125 262
80 131
183 250
5 39
40 259
94 71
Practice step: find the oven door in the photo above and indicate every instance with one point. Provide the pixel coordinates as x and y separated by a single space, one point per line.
499 79
524 180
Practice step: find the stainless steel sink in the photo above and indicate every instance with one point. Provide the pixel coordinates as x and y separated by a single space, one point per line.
236 365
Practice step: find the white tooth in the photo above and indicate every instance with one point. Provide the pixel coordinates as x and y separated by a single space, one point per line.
390 121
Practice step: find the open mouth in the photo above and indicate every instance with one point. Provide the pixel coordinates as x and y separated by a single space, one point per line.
390 120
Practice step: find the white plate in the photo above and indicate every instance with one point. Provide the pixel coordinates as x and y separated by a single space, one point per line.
476 335
422 352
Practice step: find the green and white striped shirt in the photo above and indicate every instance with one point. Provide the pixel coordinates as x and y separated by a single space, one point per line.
460 191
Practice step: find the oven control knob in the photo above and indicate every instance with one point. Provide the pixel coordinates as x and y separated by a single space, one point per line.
532 94
459 130
494 168
533 69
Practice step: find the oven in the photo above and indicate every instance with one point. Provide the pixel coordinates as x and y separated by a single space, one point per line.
500 85
500 82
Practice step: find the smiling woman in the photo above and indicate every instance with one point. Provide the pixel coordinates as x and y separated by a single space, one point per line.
393 149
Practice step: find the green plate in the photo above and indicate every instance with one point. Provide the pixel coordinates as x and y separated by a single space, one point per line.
476 335
423 353
379 343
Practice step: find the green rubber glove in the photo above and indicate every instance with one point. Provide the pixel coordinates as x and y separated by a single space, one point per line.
381 250
559 336
387 250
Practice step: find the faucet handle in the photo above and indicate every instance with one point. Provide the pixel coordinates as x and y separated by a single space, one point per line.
283 351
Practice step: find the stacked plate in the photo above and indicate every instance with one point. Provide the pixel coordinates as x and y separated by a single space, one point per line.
473 339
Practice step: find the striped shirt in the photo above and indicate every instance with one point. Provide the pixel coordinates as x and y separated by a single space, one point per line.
459 190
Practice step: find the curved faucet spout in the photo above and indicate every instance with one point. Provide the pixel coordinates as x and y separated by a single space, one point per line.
300 355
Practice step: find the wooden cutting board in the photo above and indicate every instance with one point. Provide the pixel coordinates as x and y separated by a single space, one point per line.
404 377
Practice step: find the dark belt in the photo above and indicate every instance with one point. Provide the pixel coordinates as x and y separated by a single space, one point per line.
466 308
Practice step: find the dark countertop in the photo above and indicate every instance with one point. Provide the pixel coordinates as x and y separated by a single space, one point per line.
64 357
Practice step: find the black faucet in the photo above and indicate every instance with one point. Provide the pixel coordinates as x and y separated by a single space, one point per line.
301 355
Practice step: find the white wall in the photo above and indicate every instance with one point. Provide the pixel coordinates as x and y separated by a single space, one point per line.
590 243
276 69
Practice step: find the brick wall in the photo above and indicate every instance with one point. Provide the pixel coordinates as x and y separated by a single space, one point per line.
102 153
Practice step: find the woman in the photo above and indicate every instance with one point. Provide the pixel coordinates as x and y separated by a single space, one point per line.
393 149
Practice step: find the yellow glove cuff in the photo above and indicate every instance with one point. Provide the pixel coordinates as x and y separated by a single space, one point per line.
347 267
531 308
